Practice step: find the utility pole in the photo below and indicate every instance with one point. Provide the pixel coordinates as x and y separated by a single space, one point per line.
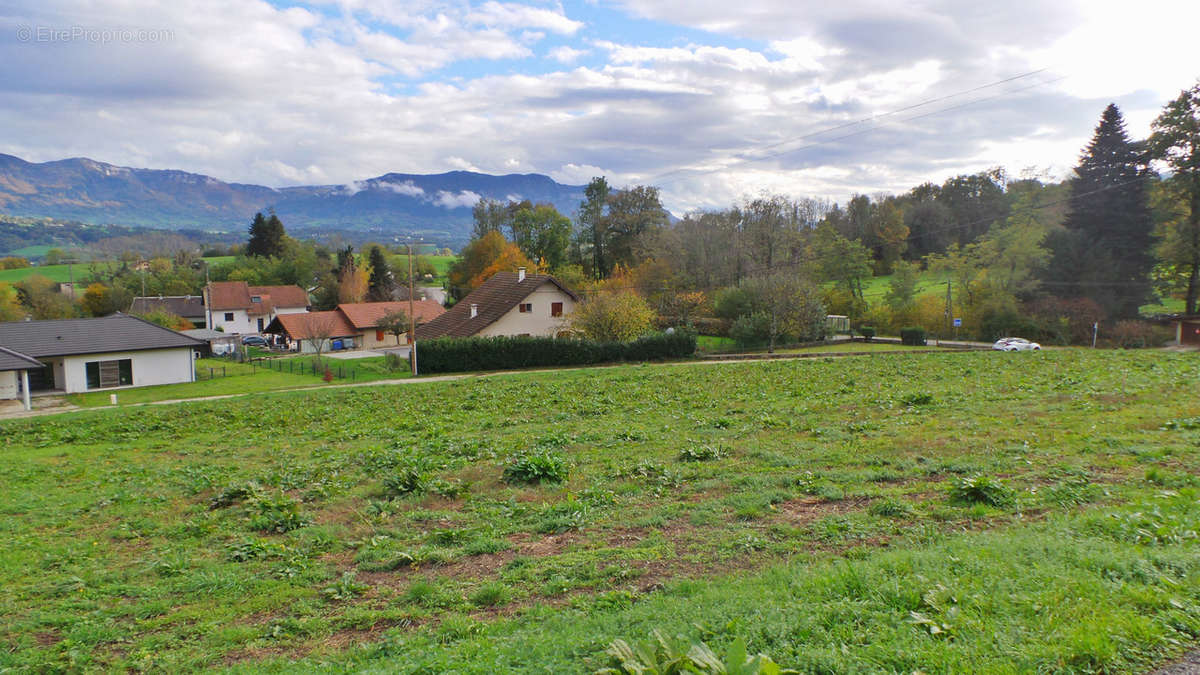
949 306
412 317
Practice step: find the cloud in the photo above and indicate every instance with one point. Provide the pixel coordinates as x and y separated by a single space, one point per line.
451 200
820 100
565 54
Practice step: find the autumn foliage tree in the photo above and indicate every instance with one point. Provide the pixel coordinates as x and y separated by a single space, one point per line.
613 317
481 259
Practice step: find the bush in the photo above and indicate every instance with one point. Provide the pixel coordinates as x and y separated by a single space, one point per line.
981 490
703 453
537 467
868 332
408 479
913 335
448 355
751 330
279 513
1131 334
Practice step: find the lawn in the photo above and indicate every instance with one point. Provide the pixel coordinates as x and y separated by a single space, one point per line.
220 377
710 344
943 513
76 271
442 263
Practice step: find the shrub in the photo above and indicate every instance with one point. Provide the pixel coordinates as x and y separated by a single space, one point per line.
703 453
407 479
445 355
981 490
1139 335
537 467
613 317
751 330
912 335
868 332
279 513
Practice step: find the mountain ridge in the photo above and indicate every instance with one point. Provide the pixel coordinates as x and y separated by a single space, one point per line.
91 191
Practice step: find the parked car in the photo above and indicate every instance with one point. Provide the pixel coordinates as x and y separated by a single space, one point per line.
1015 344
256 341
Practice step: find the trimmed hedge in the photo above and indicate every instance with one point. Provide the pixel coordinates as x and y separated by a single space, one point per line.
453 355
867 332
912 335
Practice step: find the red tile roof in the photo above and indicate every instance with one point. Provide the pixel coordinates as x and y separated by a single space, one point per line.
283 296
306 325
366 315
227 295
495 298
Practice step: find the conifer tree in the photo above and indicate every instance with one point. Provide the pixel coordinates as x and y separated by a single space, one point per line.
266 236
381 283
1106 251
1176 142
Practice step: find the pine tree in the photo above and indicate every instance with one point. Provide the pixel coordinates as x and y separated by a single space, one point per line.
1106 252
266 236
381 283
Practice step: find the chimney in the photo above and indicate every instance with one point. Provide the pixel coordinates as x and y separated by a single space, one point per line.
474 310
520 274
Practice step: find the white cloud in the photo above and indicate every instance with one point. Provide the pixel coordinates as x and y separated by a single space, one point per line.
512 15
450 200
565 54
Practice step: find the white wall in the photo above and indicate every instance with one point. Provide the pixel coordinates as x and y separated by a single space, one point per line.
8 384
150 367
289 310
242 323
537 322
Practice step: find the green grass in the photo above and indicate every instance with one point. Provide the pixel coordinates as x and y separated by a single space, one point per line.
78 271
227 377
442 263
824 511
722 345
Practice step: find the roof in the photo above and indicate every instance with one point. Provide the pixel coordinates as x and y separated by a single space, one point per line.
365 315
227 295
187 306
208 334
67 337
10 360
283 296
495 298
307 325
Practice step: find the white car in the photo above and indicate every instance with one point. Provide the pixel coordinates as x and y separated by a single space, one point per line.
1015 344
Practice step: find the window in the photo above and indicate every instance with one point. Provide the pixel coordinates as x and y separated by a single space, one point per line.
260 325
229 316
556 309
525 307
255 298
115 373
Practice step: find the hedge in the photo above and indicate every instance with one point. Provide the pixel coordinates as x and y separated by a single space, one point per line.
451 355
912 335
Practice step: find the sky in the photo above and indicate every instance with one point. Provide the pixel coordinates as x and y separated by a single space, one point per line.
710 100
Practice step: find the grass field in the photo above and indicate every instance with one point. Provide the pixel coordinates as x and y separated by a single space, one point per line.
942 513
220 377
77 271
442 263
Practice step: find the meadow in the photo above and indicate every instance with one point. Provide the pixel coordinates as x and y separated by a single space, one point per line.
943 513
79 271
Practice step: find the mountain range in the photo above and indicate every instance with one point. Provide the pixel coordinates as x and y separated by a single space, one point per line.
430 205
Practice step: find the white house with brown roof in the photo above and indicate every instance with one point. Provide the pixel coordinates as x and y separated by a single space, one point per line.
352 325
236 307
509 303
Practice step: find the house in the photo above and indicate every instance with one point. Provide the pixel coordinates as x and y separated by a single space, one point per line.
14 376
1187 330
236 307
103 353
509 303
315 331
365 317
190 307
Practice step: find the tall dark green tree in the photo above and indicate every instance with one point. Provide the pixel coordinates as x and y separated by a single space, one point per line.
1176 142
381 283
1105 252
267 236
542 233
592 227
632 213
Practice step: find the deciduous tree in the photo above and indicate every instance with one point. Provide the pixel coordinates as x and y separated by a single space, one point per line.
1175 141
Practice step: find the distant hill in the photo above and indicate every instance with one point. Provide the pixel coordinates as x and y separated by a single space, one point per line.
433 205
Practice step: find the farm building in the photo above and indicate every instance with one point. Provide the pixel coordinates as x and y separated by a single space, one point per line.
109 352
